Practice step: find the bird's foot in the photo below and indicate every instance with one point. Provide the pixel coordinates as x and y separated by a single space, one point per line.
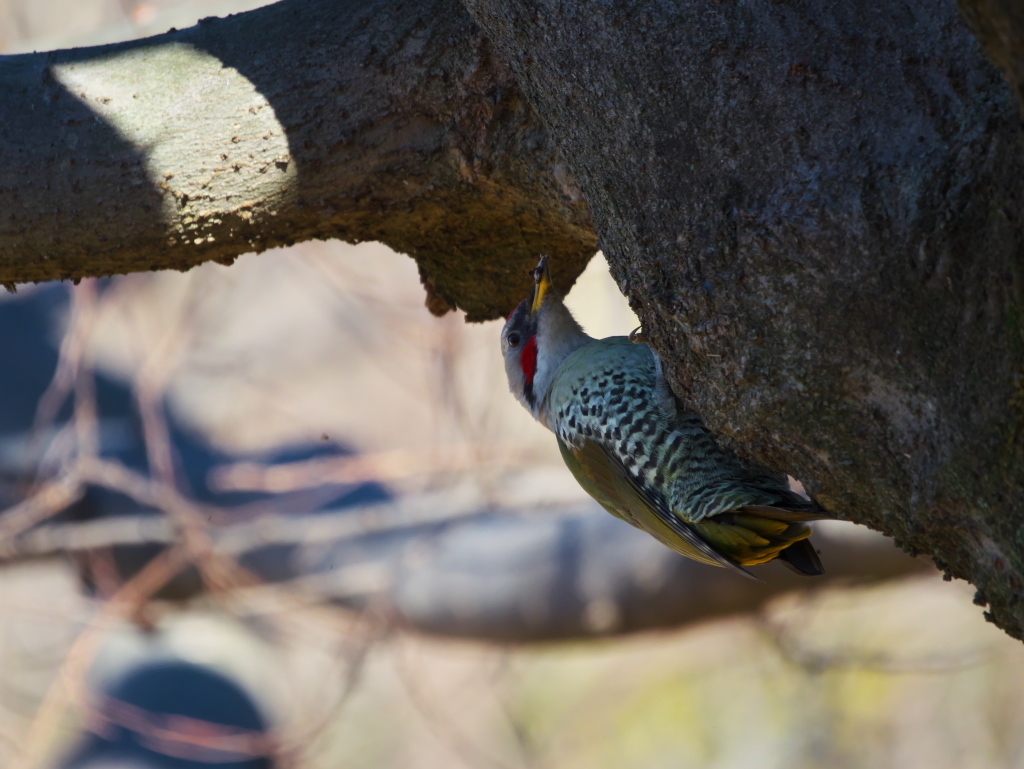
636 336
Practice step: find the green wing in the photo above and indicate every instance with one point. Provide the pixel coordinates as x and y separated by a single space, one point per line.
605 478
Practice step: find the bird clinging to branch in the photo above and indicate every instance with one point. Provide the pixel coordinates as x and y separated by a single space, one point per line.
626 439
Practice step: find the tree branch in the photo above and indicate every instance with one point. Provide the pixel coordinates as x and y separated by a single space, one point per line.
306 119
815 209
501 576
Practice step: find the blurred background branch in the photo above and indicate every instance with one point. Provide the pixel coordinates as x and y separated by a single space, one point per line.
503 575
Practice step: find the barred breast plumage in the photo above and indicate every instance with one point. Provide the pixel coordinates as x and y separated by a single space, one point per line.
625 438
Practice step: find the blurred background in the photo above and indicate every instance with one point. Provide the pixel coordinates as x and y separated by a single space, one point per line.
277 514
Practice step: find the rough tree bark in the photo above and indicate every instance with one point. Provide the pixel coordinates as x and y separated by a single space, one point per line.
365 120
816 211
814 208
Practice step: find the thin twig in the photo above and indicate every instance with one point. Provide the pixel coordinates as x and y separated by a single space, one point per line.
69 362
302 741
382 467
54 496
815 661
439 724
68 688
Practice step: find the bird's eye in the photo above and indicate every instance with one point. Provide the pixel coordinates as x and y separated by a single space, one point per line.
514 339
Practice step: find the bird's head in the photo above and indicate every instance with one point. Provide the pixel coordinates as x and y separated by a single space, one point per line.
538 335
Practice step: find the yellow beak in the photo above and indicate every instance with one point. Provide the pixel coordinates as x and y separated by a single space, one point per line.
542 282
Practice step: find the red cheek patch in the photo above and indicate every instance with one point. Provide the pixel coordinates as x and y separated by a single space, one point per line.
528 359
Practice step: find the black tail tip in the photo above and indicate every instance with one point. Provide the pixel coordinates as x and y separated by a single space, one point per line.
802 558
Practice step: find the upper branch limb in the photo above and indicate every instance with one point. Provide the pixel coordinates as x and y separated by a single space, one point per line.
305 119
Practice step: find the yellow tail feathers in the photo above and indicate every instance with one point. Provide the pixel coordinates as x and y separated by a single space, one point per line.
751 538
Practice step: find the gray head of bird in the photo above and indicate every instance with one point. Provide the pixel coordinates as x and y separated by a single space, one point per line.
539 334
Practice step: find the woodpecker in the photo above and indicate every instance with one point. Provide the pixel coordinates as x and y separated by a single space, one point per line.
631 446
